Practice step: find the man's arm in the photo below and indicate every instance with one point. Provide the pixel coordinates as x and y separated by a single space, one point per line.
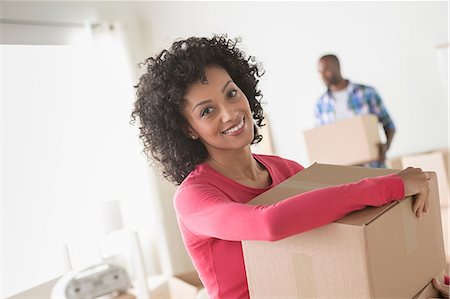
385 119
384 147
390 132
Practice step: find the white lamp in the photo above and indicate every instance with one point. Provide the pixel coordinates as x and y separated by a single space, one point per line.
67 260
111 216
112 221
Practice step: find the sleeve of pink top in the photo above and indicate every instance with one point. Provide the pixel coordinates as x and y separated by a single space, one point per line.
206 212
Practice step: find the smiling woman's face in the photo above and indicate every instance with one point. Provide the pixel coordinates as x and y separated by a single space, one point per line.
218 112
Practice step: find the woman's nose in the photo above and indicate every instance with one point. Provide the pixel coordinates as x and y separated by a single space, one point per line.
228 114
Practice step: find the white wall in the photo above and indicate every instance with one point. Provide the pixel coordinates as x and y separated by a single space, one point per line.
66 146
65 149
390 46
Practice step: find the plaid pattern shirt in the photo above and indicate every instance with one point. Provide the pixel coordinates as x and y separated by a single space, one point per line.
361 100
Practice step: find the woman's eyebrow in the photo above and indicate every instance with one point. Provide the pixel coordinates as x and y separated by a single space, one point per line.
226 84
206 101
200 103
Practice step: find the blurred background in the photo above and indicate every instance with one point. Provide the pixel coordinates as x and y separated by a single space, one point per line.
67 76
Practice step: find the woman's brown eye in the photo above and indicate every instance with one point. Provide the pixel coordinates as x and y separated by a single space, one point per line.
206 111
232 93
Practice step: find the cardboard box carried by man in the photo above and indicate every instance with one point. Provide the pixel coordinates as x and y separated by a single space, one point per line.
372 253
352 141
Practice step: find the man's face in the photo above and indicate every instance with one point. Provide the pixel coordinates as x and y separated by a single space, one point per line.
330 71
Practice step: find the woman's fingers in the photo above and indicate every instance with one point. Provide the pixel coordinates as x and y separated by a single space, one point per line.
417 207
427 200
416 183
443 289
416 204
420 201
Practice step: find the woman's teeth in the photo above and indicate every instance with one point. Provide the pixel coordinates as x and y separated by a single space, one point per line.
234 129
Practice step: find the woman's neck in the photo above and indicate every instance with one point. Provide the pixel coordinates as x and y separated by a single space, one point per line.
236 165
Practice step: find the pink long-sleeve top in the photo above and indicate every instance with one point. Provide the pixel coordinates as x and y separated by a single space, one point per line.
213 217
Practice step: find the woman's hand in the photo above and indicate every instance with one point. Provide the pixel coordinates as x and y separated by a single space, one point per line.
442 288
416 183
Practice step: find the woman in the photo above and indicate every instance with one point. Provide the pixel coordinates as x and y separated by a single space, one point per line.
199 110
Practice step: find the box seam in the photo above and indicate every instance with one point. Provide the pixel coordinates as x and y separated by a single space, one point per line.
367 263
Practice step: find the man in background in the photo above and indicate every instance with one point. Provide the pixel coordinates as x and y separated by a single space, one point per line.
345 99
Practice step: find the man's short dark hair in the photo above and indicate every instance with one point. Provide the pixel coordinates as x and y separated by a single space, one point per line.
331 57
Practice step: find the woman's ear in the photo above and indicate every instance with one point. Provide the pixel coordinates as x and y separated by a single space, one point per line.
190 132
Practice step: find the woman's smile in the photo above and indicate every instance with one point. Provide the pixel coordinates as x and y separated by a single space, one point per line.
236 129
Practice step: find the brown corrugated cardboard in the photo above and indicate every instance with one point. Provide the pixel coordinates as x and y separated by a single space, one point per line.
347 142
184 285
372 253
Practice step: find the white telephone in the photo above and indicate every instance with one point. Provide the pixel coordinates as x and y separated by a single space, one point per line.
98 280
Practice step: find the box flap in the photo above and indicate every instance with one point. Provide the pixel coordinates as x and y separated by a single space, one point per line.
324 175
366 215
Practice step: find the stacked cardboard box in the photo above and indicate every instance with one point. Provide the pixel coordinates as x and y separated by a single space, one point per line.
266 146
371 253
352 141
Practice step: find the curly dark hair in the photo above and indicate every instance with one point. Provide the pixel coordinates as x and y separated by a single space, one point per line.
160 91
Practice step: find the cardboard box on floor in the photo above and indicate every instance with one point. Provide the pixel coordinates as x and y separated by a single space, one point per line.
436 161
347 142
184 285
371 253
